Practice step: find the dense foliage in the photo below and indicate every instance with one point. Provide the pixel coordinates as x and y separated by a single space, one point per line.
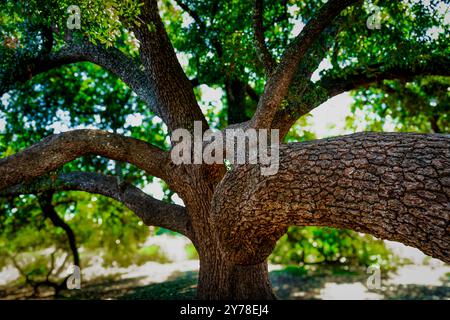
422 105
214 40
316 245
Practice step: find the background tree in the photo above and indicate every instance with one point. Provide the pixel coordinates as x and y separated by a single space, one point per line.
422 105
74 96
393 186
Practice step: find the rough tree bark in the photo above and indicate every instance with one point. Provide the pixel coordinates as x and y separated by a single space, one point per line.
394 186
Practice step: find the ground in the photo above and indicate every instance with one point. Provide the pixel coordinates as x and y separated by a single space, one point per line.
421 278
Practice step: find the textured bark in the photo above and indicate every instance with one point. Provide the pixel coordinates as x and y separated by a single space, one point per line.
168 83
221 279
262 51
278 84
57 150
394 186
152 212
436 65
112 59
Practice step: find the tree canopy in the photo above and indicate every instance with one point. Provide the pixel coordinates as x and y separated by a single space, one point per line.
98 103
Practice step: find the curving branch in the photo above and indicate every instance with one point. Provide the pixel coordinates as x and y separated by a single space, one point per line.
57 150
395 186
48 209
295 104
151 211
192 13
262 51
278 84
168 83
352 79
112 59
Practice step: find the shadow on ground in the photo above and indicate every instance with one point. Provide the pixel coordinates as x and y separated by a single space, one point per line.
179 286
288 283
291 285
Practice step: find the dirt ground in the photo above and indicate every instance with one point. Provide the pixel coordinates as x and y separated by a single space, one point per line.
422 278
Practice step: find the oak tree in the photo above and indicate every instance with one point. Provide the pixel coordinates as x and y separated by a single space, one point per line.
265 56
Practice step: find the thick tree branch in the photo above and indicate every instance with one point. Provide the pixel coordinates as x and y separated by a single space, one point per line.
352 79
285 118
278 84
115 61
57 150
151 211
262 51
168 83
296 105
234 87
395 186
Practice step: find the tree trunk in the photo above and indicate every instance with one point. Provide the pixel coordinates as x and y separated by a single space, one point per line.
235 91
219 277
393 186
221 280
